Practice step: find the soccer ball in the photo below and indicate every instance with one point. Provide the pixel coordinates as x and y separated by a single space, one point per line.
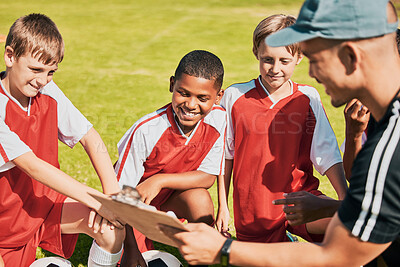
156 258
51 262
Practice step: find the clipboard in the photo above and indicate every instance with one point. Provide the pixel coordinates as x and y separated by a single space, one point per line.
144 218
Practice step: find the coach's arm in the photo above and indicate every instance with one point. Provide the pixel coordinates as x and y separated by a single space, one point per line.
202 245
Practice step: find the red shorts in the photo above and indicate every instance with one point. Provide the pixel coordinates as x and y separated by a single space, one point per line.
279 235
48 237
277 231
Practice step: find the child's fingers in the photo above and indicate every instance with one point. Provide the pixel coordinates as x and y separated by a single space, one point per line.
112 227
363 110
350 105
92 216
218 225
103 226
286 201
282 201
289 209
295 194
119 224
147 201
223 227
226 234
292 220
97 223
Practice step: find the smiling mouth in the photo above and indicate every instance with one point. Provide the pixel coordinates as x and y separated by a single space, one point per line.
274 76
35 87
188 113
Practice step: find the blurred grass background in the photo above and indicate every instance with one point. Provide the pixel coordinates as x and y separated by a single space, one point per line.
120 54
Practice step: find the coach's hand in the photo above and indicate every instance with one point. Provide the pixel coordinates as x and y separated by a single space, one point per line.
303 207
149 189
201 244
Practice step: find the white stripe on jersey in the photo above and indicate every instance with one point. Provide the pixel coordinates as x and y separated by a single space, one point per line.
233 93
72 125
369 198
3 105
10 143
324 151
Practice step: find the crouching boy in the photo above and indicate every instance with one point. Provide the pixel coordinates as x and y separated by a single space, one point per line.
173 155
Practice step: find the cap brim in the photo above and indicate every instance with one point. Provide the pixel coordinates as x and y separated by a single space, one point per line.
288 36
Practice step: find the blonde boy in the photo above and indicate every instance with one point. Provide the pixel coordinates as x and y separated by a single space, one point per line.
35 114
277 131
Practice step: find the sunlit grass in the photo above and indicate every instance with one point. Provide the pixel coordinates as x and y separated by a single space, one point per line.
120 55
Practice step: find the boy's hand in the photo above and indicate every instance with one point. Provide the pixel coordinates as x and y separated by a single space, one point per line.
222 222
149 189
357 117
303 207
108 215
97 222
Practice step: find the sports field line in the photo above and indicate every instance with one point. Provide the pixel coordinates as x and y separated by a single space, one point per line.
167 31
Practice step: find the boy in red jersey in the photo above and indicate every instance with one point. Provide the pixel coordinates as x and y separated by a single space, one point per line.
35 114
174 154
277 131
353 57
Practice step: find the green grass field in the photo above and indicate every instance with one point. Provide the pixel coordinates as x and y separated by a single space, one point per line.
120 55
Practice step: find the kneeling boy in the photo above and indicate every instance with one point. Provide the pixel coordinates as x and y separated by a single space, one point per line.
174 154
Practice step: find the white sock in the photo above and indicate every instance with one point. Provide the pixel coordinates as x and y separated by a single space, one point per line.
98 257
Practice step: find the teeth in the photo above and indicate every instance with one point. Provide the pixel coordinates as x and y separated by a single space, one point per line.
189 114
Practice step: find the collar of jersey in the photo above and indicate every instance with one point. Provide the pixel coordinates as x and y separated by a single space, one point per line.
274 102
176 127
13 99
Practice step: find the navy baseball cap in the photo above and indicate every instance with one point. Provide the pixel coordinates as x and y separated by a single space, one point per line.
336 19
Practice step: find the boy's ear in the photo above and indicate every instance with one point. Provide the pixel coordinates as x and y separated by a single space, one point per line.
220 94
9 57
299 58
349 55
171 83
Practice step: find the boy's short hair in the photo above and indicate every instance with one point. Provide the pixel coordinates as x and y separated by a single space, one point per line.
201 64
270 25
36 34
398 40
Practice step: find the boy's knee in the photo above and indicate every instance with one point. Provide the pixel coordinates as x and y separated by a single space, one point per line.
201 206
200 199
111 240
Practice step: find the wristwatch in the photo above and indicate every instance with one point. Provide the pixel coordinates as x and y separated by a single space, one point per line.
225 250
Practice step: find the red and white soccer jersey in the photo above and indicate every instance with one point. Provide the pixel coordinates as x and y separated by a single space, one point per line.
24 202
156 144
11 145
274 145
